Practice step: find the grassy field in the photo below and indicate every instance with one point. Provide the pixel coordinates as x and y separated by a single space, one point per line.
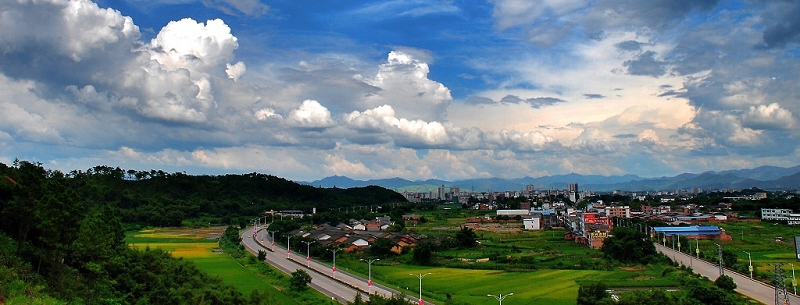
200 246
539 267
473 286
767 243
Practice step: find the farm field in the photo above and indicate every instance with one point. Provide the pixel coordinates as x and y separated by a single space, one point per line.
767 243
200 247
539 267
473 286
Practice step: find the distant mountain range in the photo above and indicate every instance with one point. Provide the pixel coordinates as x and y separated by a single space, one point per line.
764 177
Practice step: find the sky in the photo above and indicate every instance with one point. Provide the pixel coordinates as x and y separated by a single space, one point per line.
401 88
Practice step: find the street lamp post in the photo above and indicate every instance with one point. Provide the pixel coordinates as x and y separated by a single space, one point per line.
750 267
265 226
794 281
697 248
255 229
721 266
420 276
673 241
334 262
308 252
273 239
288 250
369 263
500 297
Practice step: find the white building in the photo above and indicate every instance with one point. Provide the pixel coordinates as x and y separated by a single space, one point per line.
794 219
775 214
512 212
532 223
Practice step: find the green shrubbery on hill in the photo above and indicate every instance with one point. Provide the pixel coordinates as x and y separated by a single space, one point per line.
61 235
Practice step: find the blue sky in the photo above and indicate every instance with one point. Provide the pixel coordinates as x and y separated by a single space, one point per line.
412 89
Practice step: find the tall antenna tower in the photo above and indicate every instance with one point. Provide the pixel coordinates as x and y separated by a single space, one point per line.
781 296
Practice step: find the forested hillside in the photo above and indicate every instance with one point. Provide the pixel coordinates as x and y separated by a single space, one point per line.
62 233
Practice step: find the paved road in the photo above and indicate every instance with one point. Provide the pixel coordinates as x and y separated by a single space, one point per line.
752 288
340 285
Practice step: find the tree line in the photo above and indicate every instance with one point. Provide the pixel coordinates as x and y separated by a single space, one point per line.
62 234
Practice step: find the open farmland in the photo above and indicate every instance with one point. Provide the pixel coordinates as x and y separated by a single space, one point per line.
472 286
200 247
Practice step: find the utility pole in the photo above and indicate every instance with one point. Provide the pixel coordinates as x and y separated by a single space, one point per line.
781 296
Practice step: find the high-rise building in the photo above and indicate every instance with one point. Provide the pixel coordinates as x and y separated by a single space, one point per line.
573 187
573 192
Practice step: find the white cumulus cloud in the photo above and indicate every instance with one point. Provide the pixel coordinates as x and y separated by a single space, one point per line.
770 116
311 115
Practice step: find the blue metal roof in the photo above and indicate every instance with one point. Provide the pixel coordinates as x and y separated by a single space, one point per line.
543 212
691 230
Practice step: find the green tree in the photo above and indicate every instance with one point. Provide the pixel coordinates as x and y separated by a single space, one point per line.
711 295
423 253
725 282
729 259
593 294
382 247
629 246
649 297
466 238
300 279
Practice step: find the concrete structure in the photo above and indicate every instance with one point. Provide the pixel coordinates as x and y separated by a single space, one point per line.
532 223
692 232
618 211
512 212
775 214
794 219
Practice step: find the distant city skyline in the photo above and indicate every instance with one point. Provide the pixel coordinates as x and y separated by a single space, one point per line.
412 89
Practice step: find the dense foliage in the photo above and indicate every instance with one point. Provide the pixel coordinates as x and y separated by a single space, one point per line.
300 279
692 290
377 299
629 246
64 232
725 282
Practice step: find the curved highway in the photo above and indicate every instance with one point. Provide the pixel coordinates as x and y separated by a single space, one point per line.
341 286
752 288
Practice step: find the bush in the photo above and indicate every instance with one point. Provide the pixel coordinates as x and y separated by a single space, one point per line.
725 282
300 279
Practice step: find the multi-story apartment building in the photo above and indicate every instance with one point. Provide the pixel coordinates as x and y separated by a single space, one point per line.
775 214
794 219
618 211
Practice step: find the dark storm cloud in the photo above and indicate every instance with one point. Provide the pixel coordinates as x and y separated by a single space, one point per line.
652 14
540 102
629 45
646 64
536 102
784 26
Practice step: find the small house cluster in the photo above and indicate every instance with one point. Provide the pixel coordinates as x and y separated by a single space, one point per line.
358 235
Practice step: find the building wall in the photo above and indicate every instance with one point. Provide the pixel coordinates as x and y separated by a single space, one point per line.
775 214
794 219
532 223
